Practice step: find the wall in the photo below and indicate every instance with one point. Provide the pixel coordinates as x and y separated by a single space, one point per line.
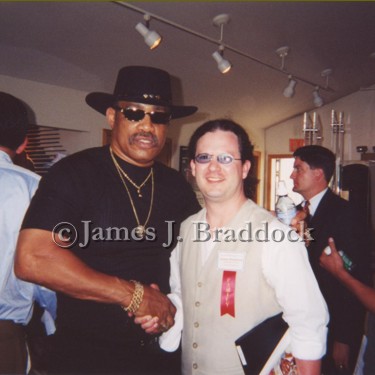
59 107
359 125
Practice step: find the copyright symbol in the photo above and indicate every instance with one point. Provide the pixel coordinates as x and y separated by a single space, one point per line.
64 234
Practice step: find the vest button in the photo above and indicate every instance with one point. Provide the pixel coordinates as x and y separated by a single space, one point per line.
195 345
196 324
197 304
195 366
200 284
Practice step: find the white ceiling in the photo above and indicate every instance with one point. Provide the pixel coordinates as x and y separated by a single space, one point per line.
82 45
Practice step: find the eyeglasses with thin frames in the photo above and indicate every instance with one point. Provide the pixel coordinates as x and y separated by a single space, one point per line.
135 115
221 158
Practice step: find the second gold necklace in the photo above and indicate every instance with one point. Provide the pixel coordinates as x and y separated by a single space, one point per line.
140 230
138 187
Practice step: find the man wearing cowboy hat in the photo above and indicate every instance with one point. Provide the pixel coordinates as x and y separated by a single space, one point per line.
98 232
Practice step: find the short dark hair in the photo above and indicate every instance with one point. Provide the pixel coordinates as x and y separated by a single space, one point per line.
318 157
244 145
13 121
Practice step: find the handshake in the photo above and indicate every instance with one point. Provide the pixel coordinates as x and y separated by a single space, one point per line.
151 309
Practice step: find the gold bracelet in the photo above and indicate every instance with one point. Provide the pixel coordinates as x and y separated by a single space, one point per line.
137 298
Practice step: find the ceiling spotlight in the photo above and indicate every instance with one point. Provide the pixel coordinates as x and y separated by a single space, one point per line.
151 37
289 90
283 52
318 101
222 64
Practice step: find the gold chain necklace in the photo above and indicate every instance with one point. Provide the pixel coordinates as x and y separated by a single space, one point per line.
138 187
140 230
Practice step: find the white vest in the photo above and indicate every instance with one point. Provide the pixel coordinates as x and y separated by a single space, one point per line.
208 338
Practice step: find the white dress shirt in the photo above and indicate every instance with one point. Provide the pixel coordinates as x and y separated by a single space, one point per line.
314 201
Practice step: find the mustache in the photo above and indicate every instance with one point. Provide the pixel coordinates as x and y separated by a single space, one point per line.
144 135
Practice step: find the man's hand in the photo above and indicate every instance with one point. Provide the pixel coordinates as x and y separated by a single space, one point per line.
149 324
332 261
298 222
156 312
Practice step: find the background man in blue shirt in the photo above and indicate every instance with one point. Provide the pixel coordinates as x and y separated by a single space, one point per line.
17 187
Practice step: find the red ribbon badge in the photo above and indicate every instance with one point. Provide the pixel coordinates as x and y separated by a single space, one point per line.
228 288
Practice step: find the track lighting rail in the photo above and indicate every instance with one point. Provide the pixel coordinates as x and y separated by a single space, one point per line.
219 43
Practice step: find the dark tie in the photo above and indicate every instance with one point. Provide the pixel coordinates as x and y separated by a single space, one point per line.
306 234
307 209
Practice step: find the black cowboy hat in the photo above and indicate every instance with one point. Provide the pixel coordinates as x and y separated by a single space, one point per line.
140 84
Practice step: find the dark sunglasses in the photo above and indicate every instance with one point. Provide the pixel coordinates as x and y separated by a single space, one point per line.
133 114
221 158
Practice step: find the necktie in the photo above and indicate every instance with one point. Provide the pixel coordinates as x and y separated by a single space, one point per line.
306 209
306 234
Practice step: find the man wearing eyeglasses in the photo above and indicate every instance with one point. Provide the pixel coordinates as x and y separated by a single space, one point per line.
96 228
231 283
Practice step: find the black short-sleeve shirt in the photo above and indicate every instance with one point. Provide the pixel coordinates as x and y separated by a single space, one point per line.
85 192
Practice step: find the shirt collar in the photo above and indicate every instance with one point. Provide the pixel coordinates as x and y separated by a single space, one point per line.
4 157
315 200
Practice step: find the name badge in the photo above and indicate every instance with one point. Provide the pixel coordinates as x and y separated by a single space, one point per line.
231 260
